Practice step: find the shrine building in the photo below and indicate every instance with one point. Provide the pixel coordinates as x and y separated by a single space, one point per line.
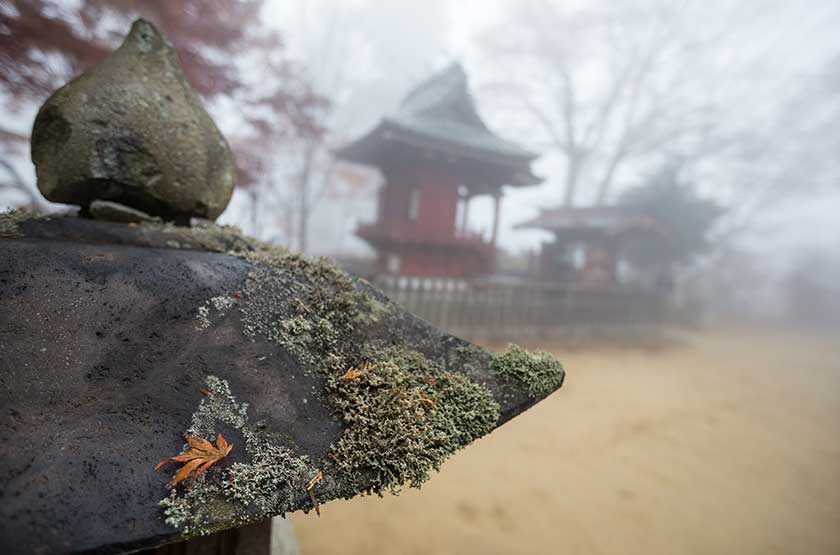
600 234
436 154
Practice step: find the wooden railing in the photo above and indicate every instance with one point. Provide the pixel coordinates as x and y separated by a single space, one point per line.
493 310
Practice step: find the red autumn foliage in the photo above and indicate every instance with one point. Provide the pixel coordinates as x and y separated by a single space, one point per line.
44 43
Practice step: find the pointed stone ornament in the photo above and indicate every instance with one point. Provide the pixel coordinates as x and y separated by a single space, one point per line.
132 131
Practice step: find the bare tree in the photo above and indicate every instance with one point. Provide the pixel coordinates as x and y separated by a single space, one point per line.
360 56
617 88
284 197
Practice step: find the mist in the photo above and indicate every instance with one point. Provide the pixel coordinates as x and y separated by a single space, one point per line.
649 190
741 96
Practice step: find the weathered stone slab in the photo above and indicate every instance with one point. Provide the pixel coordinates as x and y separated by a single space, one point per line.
115 339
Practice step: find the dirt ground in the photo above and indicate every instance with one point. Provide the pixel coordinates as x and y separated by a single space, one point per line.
727 443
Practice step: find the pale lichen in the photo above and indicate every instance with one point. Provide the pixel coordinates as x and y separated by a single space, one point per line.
304 305
220 304
209 236
267 484
402 416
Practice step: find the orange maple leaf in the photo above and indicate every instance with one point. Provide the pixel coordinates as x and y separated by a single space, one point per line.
200 456
318 477
354 373
351 374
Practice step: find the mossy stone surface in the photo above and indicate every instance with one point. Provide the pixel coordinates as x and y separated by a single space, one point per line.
403 417
111 332
538 372
132 131
268 481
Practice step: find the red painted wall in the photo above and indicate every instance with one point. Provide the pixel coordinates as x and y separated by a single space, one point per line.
393 202
437 201
437 204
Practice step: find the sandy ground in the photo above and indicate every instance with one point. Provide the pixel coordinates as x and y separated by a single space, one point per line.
729 443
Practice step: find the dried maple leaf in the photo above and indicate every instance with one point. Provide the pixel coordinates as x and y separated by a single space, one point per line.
354 373
318 477
351 374
200 456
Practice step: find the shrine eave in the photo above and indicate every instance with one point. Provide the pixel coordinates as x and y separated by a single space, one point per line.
449 140
589 222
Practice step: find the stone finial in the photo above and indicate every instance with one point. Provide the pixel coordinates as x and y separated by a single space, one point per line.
132 131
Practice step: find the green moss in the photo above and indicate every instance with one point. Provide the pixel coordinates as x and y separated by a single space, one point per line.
375 310
325 301
539 373
208 236
267 484
11 219
403 417
304 304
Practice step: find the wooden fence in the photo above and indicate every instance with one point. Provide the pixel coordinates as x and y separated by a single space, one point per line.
493 311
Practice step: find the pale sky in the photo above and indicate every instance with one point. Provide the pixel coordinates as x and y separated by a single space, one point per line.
420 37
367 54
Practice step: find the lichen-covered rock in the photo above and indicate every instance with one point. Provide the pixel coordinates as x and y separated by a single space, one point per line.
538 373
122 337
131 130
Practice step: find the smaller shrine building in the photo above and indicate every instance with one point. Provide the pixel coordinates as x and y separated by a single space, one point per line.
599 234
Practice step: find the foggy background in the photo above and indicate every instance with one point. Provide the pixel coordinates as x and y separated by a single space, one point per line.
721 117
740 99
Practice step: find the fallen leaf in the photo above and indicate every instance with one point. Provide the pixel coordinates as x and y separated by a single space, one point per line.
351 374
354 373
318 477
200 456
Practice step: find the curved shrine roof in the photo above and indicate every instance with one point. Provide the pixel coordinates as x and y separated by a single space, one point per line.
440 115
